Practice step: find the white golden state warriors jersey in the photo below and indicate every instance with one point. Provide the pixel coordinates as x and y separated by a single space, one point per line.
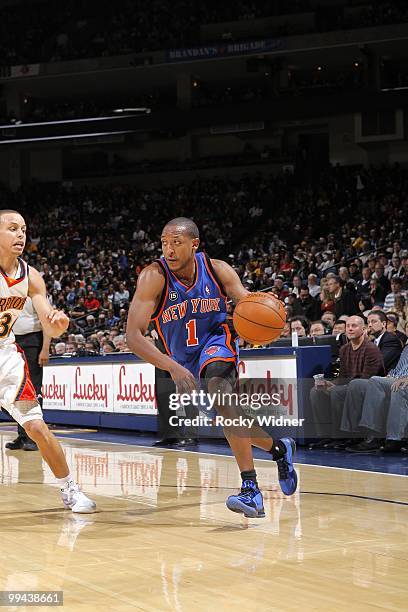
13 295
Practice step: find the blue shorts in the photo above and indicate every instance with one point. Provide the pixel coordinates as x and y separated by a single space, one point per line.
218 347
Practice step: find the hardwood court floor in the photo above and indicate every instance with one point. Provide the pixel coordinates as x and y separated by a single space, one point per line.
163 539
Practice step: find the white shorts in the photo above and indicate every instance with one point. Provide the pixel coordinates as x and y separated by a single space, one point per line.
17 393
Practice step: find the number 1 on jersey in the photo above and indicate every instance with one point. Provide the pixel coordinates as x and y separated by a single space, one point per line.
192 339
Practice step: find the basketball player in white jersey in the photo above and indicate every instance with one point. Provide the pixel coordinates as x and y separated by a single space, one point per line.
18 280
36 346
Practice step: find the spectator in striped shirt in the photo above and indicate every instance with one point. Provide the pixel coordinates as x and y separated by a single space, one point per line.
396 268
396 289
314 288
380 277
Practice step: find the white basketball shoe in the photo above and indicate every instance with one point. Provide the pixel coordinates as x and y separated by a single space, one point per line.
73 499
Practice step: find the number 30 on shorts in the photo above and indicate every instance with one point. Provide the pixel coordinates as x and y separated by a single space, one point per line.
192 339
5 327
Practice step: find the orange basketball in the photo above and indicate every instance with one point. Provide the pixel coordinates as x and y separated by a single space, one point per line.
259 318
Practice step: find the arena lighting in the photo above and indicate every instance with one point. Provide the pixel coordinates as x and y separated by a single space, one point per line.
141 110
66 137
395 88
69 121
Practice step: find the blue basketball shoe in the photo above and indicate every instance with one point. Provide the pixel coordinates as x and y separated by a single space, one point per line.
286 472
248 502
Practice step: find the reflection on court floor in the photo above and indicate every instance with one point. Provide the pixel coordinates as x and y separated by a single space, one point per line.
164 540
136 475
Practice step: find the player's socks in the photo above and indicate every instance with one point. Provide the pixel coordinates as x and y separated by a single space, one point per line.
64 482
248 502
249 475
286 472
278 450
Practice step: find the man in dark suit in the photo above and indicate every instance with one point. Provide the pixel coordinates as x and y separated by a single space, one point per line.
363 285
381 279
306 306
388 343
345 300
392 324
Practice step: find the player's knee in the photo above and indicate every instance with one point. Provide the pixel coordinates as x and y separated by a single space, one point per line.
219 377
218 385
226 403
37 430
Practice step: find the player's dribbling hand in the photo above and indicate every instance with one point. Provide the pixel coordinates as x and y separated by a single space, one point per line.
58 320
185 381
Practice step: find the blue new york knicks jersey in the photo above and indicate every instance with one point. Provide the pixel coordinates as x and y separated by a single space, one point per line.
191 321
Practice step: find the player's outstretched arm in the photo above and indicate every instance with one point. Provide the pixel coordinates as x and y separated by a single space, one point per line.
54 322
148 291
230 280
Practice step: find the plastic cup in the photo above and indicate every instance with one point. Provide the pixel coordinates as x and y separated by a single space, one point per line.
319 380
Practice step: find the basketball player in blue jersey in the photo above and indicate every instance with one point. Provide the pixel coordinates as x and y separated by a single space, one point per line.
185 293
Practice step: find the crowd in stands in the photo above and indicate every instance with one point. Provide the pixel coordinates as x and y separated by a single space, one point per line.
333 243
49 31
90 244
363 410
330 244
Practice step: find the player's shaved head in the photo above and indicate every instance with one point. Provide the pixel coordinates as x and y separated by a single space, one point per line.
183 225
